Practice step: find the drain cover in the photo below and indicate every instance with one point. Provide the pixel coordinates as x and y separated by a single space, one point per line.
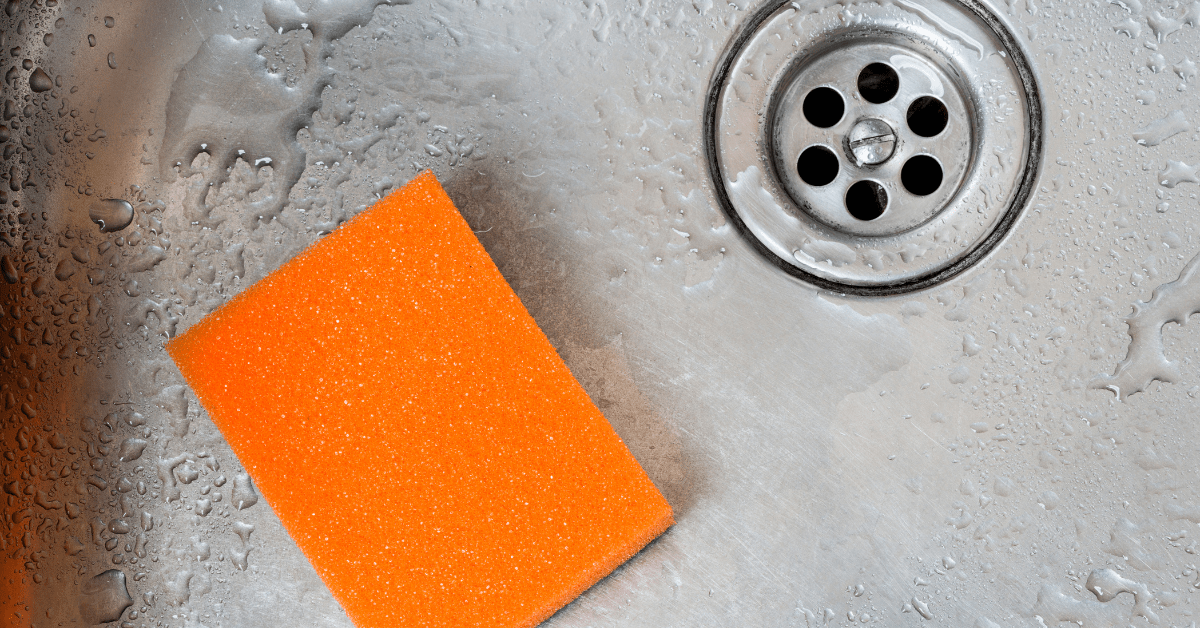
874 149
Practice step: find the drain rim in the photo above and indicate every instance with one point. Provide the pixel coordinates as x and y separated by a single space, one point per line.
1025 187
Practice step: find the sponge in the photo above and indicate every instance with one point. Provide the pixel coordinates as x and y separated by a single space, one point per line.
414 430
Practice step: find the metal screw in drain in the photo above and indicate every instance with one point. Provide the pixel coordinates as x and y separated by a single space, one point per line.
871 142
878 155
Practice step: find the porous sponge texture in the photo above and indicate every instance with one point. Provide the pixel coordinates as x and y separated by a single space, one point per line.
413 428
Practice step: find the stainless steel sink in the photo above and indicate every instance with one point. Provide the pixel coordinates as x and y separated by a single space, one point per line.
1009 444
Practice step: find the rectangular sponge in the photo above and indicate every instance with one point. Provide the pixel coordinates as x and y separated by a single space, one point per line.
413 428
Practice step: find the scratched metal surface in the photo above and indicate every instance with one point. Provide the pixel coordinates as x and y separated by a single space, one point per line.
1007 449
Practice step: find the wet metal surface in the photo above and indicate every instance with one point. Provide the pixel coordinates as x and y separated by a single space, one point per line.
1014 447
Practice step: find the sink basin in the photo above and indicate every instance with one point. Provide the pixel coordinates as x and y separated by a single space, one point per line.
1009 444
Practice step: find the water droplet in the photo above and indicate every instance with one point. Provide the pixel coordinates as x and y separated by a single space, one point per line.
109 22
244 495
1156 132
132 448
243 531
64 271
39 81
8 269
112 214
112 60
105 598
239 556
959 374
72 546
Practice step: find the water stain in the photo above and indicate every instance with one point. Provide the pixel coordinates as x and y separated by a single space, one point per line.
1146 360
225 103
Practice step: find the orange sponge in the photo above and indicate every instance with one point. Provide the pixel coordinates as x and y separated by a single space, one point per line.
414 430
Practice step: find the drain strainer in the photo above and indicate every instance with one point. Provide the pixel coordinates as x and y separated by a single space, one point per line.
871 148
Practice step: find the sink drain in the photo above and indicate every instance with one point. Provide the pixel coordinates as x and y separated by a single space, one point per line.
874 149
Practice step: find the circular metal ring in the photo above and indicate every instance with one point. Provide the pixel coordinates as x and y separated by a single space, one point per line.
874 149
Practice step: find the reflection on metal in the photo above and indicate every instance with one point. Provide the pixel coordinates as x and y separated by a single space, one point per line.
918 110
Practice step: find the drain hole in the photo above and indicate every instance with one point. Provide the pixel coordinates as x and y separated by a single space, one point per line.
878 83
921 175
823 107
817 165
927 116
866 200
